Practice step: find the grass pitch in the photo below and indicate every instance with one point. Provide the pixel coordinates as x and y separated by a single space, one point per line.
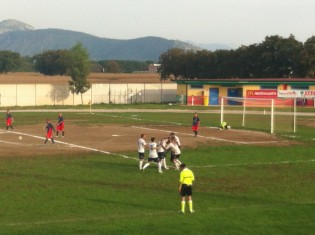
239 189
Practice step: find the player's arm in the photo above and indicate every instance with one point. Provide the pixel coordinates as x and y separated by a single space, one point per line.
180 188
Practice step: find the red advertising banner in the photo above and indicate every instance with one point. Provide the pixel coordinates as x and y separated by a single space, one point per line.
266 94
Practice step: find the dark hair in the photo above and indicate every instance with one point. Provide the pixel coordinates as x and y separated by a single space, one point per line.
142 135
152 139
182 166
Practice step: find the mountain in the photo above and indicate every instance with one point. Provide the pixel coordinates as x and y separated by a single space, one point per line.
24 39
13 25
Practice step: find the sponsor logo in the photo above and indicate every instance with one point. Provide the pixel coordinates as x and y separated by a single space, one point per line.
296 94
261 93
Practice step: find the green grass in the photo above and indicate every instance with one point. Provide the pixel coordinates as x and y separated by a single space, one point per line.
238 189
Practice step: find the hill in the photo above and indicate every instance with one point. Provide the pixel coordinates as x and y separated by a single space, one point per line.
24 39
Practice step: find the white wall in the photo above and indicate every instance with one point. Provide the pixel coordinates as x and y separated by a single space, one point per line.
48 94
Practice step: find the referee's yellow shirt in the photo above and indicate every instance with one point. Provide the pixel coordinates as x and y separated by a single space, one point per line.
186 177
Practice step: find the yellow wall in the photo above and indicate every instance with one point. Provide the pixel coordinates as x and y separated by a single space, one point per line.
181 89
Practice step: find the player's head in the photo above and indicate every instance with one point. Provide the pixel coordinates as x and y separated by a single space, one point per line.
47 120
196 114
152 139
182 166
60 114
172 134
142 135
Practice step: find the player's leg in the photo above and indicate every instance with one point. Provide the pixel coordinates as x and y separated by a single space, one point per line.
190 204
164 164
159 163
147 164
141 157
182 204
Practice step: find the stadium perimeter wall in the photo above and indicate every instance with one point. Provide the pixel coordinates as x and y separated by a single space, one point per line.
59 94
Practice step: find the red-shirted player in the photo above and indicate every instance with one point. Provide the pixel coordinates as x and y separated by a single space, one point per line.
50 129
60 125
9 120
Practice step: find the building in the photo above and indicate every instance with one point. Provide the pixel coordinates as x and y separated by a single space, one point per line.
208 92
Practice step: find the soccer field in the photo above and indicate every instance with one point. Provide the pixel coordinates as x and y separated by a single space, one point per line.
247 182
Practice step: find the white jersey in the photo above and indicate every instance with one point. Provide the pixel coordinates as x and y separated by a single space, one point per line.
152 148
141 144
176 139
160 149
174 148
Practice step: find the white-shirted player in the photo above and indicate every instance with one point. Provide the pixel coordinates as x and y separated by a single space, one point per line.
176 139
141 149
153 156
173 147
161 152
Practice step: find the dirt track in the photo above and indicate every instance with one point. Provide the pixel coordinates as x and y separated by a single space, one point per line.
119 138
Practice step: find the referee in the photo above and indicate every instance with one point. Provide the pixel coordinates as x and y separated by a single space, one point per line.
186 179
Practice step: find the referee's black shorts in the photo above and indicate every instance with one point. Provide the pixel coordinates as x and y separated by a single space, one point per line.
186 190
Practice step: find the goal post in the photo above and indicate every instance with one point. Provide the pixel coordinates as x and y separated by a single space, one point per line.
257 114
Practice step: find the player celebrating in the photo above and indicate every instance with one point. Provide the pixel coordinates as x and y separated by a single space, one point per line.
186 179
9 120
161 152
141 149
175 139
195 124
60 125
173 147
153 156
50 129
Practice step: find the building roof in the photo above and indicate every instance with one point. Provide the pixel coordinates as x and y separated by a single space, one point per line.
255 81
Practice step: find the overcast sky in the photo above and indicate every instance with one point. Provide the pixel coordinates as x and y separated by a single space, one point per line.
231 22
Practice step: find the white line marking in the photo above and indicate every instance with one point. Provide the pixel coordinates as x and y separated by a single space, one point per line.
139 119
72 145
208 137
134 158
255 163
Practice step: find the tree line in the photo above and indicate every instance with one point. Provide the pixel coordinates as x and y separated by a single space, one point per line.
275 57
55 62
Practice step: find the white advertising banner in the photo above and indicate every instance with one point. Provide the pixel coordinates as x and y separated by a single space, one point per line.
308 94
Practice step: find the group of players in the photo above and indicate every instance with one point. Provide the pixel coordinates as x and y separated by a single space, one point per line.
158 150
49 126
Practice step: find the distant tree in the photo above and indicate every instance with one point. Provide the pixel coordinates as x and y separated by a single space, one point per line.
280 57
78 70
112 67
125 66
9 61
172 63
96 67
52 62
27 64
308 57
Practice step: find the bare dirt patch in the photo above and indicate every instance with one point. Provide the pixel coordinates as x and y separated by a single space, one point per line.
118 139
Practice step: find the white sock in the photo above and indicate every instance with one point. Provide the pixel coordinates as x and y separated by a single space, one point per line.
160 166
146 165
164 163
140 165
